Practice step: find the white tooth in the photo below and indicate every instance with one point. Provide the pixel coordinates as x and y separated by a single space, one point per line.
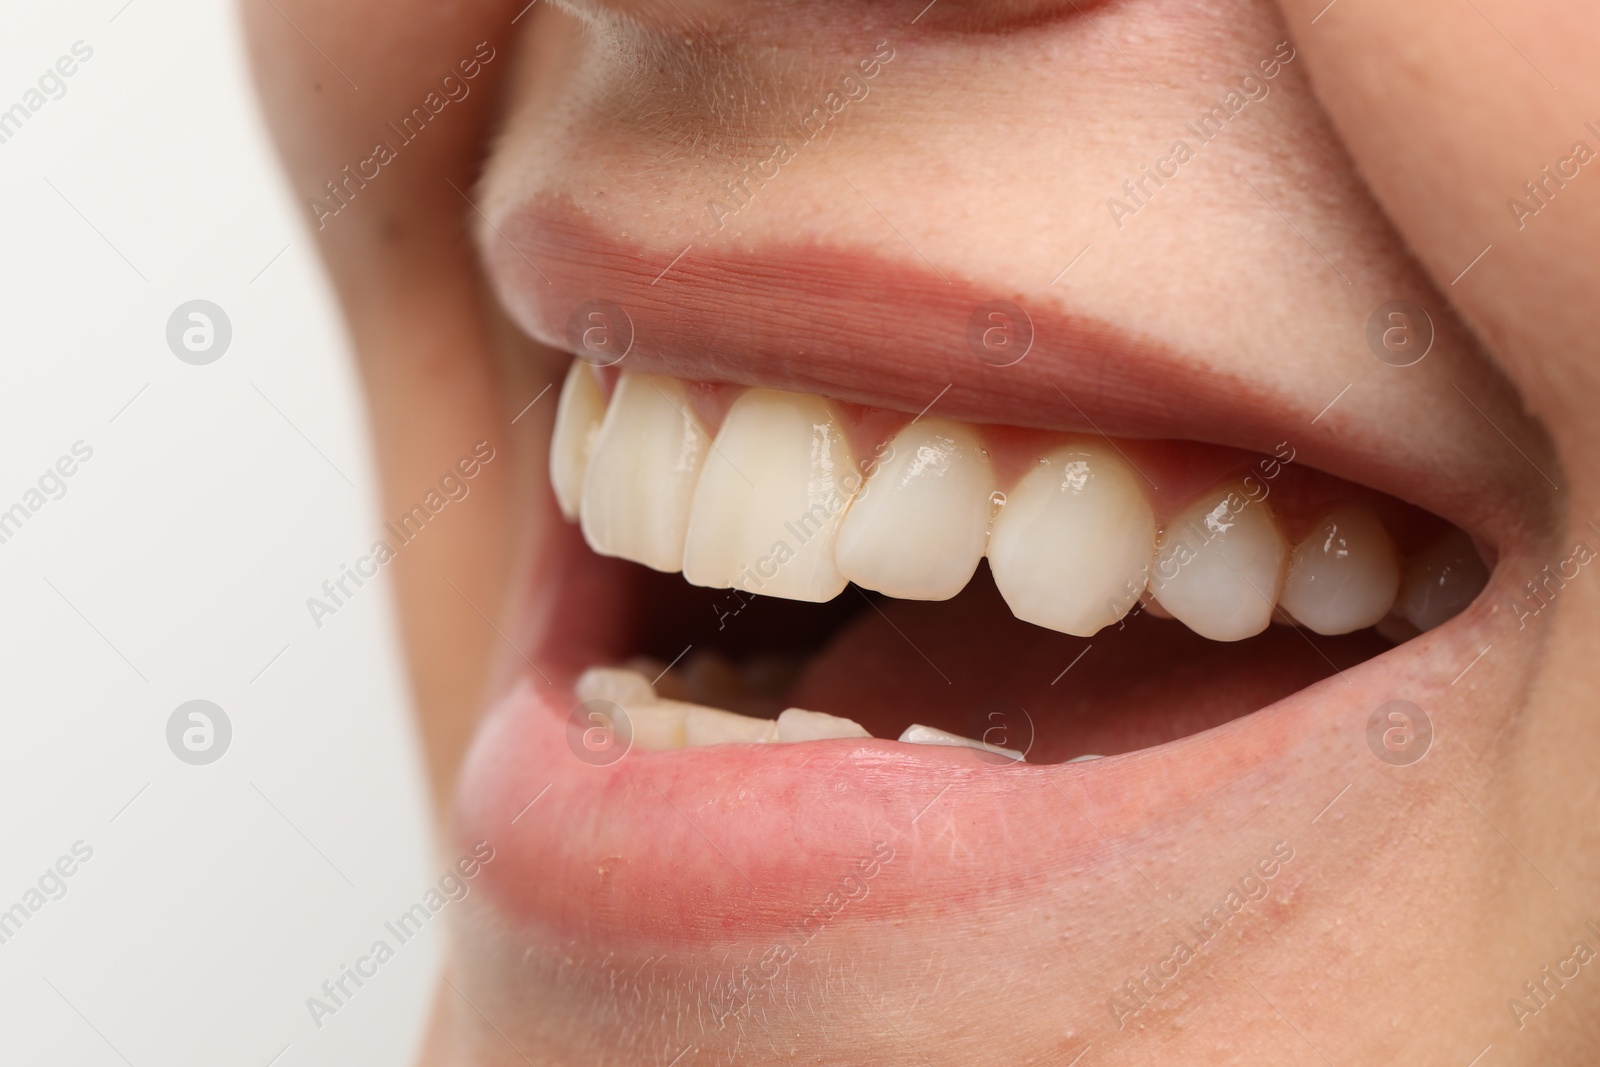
1219 571
918 528
917 734
616 684
659 726
1344 575
1082 758
713 726
797 724
766 510
578 415
1070 547
642 472
1441 580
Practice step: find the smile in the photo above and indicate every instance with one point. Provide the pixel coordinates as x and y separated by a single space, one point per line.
790 605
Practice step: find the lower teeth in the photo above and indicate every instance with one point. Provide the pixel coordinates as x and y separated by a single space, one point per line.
917 734
660 725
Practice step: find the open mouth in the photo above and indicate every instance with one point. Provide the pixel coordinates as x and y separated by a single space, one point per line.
786 610
828 571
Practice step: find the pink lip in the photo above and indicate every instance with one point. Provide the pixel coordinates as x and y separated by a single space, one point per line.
707 845
734 841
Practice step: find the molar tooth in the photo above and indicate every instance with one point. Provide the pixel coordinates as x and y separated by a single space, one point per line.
765 515
1221 566
1344 575
798 724
713 726
917 734
1070 547
918 528
642 473
578 415
1441 580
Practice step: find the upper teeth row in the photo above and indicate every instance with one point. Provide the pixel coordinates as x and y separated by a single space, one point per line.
778 504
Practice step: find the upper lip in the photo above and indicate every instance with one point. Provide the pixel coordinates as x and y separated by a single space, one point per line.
855 326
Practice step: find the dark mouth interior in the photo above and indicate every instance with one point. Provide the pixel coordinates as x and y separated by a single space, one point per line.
968 666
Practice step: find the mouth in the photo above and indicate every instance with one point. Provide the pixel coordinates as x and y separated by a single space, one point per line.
795 602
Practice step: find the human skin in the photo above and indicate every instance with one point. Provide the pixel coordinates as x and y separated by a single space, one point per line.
1423 901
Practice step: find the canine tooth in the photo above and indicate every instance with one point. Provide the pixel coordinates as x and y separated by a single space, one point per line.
917 734
578 415
1070 547
766 511
1441 580
642 472
616 684
1221 566
918 528
1344 575
798 724
713 726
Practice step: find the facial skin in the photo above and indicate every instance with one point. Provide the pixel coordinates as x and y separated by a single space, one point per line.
1376 166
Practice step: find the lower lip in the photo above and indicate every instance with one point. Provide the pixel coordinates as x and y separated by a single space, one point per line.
708 845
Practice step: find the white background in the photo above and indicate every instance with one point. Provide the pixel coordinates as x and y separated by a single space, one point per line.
177 567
